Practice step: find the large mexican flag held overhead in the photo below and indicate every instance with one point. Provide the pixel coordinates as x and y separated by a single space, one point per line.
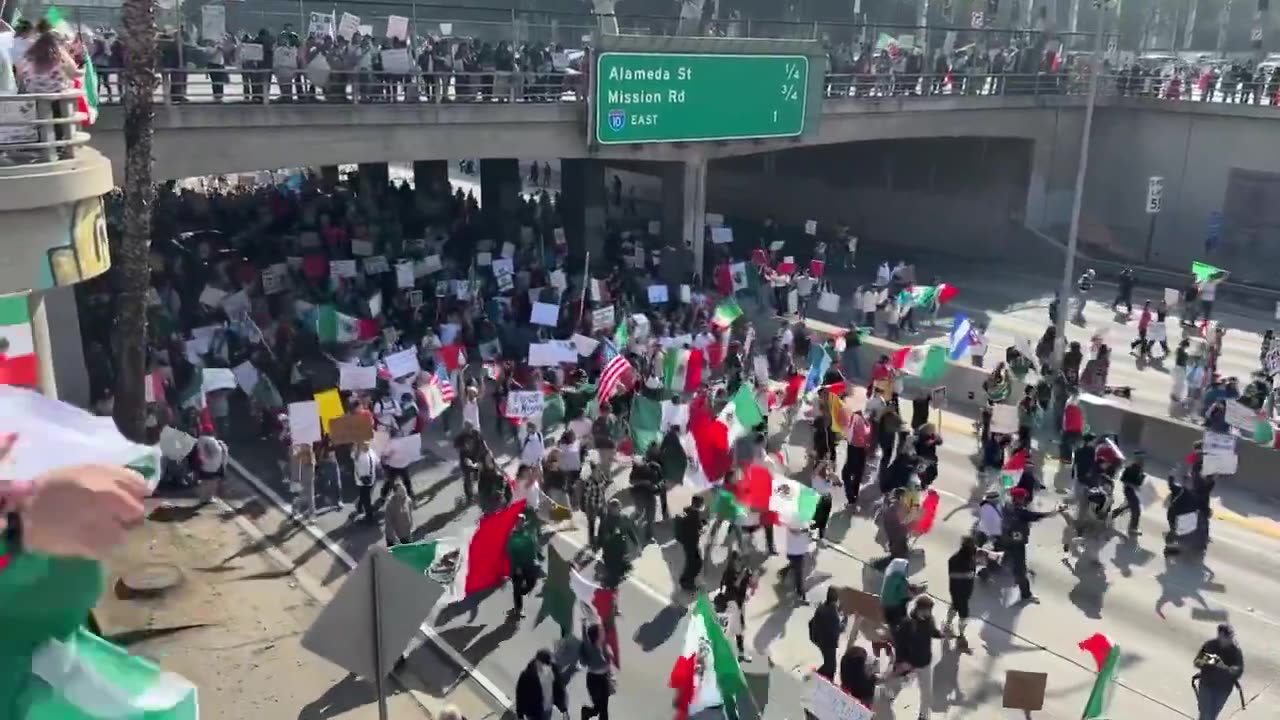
726 312
707 674
927 362
927 296
334 327
1205 271
762 490
712 450
479 563
85 677
1106 654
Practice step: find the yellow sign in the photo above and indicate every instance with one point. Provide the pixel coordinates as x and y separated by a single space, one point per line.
329 403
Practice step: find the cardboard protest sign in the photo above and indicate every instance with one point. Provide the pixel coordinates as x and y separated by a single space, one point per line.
657 294
375 265
304 422
404 274
825 701
525 404
543 355
217 379
251 52
1024 690
348 26
602 318
721 235
329 406
502 266
246 376
415 299
343 268
398 27
351 429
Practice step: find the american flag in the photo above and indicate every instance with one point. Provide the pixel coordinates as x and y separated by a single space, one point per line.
446 388
617 372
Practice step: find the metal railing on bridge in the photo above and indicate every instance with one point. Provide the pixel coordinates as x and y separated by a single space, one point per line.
36 129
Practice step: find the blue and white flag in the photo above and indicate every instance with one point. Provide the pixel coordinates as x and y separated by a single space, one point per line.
961 338
819 363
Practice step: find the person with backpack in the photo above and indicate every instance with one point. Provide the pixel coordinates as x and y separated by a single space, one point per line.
825 628
1219 665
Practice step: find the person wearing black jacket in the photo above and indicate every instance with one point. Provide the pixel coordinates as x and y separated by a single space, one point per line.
688 532
1017 534
531 700
1220 664
857 675
646 484
824 631
913 650
1131 479
1124 292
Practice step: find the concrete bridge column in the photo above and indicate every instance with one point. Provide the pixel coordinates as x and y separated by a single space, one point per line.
430 174
330 176
684 207
582 197
373 177
500 195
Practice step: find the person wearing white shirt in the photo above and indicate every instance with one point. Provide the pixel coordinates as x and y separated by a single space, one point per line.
977 345
1208 293
471 407
883 275
365 467
797 551
532 449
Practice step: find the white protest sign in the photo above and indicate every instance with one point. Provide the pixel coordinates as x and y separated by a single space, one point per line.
246 376
376 264
402 363
558 280
655 227
1241 418
585 345
559 234
602 318
361 248
657 294
546 314
321 24
505 284
1272 360
566 351
543 355
396 61
525 404
1219 464
348 25
446 29
721 235
343 268
825 701
503 266
251 52
484 259
402 452
810 227
508 250
375 304
366 30
415 299
404 274
212 296
398 28
713 220
431 263
355 377
212 379
1004 419
213 22
1171 297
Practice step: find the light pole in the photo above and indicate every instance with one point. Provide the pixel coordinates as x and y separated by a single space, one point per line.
1073 232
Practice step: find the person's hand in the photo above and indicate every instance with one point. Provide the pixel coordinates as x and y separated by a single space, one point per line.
82 511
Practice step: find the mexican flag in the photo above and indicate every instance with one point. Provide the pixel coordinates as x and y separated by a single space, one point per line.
706 675
87 677
760 489
928 296
18 362
927 362
574 602
1106 654
646 423
1205 271
795 387
743 412
334 327
480 562
726 312
88 102
711 456
1013 468
621 336
682 370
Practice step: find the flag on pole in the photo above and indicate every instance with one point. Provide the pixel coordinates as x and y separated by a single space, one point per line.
574 602
1106 655
795 385
335 327
438 394
1013 469
621 336
1205 271
19 364
87 677
819 364
617 373
961 337
482 561
760 489
682 370
927 362
726 312
454 356
712 457
707 674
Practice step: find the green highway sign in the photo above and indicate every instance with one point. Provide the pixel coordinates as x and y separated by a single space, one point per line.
671 97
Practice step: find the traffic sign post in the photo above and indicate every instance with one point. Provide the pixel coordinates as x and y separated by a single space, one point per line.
1155 196
678 97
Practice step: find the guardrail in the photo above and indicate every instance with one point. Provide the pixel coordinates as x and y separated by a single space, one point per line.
887 85
271 86
40 128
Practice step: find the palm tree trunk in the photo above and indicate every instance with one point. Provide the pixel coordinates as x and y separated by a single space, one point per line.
132 262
